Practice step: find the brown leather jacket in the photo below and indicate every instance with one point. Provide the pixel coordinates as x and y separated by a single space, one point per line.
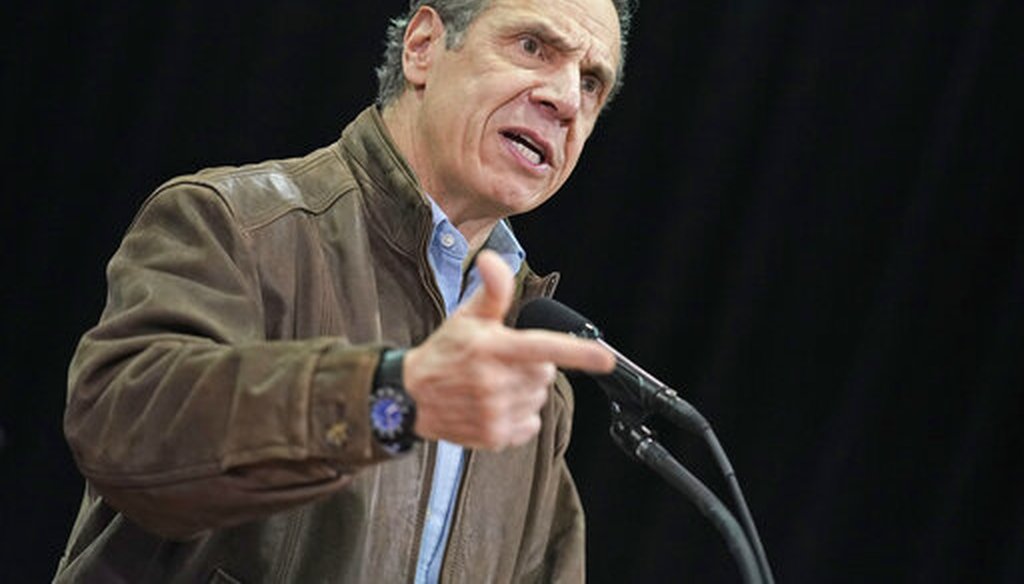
219 409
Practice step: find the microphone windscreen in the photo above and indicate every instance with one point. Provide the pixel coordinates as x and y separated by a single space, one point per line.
550 314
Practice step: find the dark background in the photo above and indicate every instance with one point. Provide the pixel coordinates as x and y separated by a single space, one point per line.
806 216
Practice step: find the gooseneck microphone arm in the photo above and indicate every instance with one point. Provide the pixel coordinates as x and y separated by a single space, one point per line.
638 441
635 395
656 397
635 439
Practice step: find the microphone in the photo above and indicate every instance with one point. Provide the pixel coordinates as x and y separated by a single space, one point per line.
628 384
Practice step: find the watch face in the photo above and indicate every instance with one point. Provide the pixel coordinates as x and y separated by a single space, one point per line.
388 413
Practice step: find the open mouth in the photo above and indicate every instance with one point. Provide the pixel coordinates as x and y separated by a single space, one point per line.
529 149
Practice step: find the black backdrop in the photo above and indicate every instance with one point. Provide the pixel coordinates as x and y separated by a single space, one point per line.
805 215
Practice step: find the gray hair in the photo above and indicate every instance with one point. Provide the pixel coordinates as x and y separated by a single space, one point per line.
457 15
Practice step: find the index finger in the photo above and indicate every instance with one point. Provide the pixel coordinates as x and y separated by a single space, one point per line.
561 349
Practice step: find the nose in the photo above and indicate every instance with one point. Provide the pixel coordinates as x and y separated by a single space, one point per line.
559 94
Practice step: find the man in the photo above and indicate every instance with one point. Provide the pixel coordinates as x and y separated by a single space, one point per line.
296 379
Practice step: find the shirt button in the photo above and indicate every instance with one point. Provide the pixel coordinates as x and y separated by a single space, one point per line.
447 239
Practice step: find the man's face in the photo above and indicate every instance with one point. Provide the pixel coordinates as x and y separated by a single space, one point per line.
505 115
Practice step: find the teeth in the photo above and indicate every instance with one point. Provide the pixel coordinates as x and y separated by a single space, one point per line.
526 147
527 153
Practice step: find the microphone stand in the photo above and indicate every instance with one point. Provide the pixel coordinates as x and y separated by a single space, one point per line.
630 384
637 441
645 395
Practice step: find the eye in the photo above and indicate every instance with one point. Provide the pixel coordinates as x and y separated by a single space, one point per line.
591 85
530 45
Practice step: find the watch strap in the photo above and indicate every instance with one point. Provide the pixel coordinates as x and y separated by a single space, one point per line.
389 369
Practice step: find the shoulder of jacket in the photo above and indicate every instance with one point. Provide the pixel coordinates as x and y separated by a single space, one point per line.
258 194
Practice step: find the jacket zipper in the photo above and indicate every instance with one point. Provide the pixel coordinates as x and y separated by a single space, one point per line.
448 563
430 452
430 459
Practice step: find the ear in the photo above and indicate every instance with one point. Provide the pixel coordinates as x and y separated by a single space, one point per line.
424 36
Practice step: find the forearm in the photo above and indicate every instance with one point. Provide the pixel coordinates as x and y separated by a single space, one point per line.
180 433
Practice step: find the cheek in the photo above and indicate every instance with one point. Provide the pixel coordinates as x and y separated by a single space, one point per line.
573 149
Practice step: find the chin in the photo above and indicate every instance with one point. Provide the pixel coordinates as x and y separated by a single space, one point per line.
515 204
515 194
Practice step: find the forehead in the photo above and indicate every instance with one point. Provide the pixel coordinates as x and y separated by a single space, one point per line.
590 26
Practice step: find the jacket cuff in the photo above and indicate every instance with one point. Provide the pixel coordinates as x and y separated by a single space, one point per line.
340 406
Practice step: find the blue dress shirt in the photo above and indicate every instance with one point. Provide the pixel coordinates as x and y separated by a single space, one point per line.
447 253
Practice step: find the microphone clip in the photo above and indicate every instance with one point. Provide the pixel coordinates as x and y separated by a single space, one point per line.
628 430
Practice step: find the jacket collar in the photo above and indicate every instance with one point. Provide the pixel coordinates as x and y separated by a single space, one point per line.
396 203
394 199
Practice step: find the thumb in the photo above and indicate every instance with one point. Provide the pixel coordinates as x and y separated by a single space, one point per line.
492 300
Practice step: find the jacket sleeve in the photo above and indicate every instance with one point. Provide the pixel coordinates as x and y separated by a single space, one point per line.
180 412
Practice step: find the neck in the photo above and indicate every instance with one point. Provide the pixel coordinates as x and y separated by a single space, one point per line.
400 120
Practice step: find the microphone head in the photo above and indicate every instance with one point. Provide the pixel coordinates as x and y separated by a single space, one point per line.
552 315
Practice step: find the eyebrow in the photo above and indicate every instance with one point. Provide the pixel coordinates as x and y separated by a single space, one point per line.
551 37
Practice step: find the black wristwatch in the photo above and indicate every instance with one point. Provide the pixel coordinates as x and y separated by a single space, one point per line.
392 410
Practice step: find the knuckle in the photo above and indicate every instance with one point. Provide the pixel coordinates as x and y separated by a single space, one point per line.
530 428
541 397
534 423
495 435
542 374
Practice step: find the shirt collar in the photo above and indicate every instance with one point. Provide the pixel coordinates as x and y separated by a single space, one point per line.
501 240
